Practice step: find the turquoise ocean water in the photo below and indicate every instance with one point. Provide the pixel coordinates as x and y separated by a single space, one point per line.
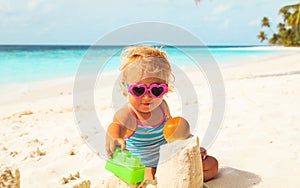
19 63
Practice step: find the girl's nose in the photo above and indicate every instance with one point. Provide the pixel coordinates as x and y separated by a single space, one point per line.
148 95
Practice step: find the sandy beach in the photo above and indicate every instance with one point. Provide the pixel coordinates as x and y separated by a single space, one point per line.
258 144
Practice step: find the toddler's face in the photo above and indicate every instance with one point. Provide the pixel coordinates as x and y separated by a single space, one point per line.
146 103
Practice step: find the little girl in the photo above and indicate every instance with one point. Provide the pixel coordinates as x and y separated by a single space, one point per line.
138 126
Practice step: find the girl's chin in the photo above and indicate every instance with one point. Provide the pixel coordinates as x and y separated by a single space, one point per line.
145 108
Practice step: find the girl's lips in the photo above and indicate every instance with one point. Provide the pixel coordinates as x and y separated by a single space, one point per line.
146 104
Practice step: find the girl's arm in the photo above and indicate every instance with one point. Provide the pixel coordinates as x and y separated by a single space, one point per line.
114 137
122 125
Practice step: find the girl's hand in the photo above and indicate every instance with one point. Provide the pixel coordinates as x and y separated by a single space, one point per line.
112 143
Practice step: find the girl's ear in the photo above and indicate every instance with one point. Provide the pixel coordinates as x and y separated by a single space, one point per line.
123 87
123 82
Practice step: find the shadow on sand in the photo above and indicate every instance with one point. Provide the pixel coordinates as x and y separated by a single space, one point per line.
233 178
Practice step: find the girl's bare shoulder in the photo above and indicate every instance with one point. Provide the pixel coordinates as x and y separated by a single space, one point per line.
166 109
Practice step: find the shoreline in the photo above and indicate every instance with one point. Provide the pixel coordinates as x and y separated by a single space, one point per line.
230 62
222 65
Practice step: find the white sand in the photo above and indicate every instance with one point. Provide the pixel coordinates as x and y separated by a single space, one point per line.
258 145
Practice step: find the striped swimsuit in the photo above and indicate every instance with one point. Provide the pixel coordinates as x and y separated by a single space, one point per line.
146 141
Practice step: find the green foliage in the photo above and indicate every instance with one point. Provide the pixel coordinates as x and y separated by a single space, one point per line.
262 36
288 32
265 22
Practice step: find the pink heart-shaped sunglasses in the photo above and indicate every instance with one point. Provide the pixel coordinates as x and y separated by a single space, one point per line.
139 90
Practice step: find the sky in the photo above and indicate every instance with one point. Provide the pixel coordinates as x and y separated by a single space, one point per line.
214 22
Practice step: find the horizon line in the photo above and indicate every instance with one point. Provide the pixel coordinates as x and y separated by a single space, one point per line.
123 45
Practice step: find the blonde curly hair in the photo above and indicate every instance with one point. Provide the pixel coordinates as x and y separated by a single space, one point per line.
141 62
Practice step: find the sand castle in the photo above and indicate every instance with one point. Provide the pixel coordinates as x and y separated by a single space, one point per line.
182 169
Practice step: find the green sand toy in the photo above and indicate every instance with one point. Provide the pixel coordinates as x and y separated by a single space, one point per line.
126 166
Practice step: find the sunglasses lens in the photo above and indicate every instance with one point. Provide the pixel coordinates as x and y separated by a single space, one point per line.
157 91
138 91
